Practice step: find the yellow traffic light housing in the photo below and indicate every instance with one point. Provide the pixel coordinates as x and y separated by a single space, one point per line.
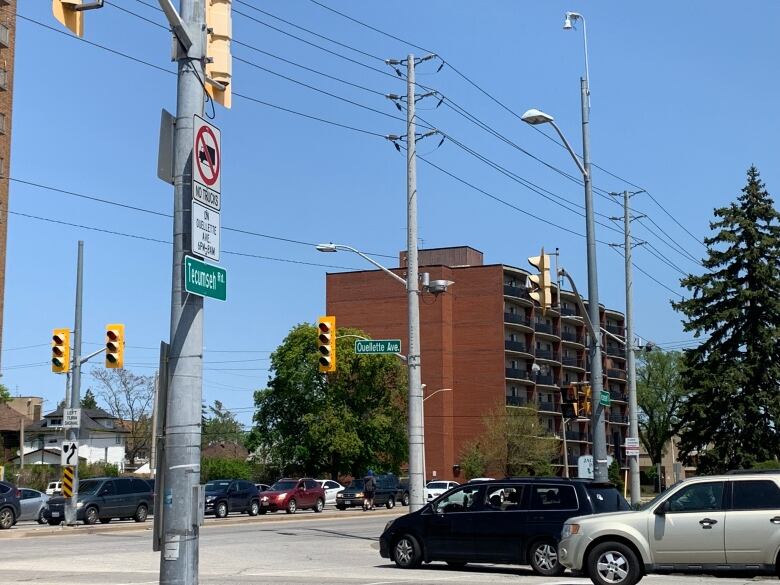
115 345
541 290
219 61
326 343
66 12
60 351
586 400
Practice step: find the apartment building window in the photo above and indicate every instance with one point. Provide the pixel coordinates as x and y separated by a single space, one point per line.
3 79
512 337
514 364
2 123
4 36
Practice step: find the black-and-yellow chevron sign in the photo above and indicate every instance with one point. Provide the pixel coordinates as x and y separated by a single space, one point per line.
67 481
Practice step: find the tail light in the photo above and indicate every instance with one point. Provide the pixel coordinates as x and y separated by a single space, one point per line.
19 494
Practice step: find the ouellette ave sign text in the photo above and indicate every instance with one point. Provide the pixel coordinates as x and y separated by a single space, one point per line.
377 346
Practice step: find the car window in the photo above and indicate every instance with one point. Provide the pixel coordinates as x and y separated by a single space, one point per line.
437 485
123 486
139 486
466 499
216 486
4 488
553 497
311 484
503 497
284 485
697 497
29 494
332 485
757 494
89 487
108 489
606 499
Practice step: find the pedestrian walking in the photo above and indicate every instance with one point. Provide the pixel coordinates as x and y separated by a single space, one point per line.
369 490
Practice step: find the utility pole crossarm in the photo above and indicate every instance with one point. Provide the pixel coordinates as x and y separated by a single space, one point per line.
177 24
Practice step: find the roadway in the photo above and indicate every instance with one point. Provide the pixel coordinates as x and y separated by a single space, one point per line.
304 549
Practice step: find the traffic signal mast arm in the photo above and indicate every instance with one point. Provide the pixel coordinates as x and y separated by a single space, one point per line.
596 338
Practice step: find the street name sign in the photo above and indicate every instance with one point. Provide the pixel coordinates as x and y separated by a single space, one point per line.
207 164
205 231
69 454
377 346
205 280
604 399
71 418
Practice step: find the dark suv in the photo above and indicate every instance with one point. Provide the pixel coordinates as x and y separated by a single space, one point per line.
105 498
387 489
231 495
516 520
10 509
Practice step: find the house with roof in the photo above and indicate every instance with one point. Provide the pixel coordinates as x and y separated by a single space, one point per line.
101 436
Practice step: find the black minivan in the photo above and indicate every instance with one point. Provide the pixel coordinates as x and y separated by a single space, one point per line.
104 498
516 520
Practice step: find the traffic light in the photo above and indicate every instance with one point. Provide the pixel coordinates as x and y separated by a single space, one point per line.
69 15
60 351
219 62
586 401
326 343
541 290
569 406
115 345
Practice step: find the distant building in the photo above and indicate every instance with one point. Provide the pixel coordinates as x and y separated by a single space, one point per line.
11 422
29 406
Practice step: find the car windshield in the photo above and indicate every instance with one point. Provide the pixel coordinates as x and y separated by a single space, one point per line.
437 485
607 499
356 484
284 485
88 487
217 486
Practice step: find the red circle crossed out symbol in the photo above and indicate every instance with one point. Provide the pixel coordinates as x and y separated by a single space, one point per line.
207 157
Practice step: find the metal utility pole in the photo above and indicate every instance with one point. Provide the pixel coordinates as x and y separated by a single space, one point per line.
415 406
75 388
181 473
633 418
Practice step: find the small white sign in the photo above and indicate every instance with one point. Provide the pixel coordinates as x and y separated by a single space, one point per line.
71 418
207 163
632 446
205 231
70 453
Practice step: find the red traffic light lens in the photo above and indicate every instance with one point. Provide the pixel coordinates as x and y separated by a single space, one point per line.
324 327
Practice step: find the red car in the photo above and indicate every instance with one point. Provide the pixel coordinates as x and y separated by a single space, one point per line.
292 495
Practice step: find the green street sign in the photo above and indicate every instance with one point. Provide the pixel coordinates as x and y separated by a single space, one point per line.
605 399
377 346
205 280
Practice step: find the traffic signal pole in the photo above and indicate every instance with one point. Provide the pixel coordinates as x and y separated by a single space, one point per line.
181 473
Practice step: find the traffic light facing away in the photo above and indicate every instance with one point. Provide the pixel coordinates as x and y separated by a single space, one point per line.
65 11
569 406
585 400
219 61
115 345
60 351
541 286
326 343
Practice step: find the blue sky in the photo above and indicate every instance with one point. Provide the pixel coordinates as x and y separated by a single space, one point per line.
682 103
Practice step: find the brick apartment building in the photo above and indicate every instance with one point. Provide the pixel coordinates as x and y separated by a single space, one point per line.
479 341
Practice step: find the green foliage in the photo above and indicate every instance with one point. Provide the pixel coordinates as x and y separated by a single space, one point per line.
220 426
344 422
615 476
36 477
218 468
472 461
100 469
89 400
730 419
5 394
770 464
660 395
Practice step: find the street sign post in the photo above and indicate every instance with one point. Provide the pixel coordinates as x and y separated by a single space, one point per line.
204 279
377 346
71 418
205 231
605 399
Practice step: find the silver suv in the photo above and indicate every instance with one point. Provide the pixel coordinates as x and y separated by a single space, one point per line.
701 525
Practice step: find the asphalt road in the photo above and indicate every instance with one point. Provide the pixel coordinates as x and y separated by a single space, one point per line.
309 549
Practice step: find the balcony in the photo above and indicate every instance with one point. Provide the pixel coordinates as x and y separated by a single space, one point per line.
573 337
617 374
516 291
516 319
616 329
546 380
546 354
547 406
568 312
517 374
576 436
618 395
510 345
516 401
545 328
616 351
573 361
620 419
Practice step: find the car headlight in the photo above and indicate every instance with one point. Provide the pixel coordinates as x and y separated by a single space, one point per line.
570 530
339 496
211 498
359 495
280 497
79 505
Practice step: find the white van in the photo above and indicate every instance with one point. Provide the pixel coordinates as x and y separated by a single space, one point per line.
54 488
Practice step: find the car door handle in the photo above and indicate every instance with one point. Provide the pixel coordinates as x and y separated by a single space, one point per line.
775 520
707 523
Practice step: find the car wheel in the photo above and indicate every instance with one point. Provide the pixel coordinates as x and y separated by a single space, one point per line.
405 499
53 522
254 508
390 503
292 506
91 515
319 505
222 510
141 513
407 553
456 564
543 557
7 518
105 520
41 519
613 563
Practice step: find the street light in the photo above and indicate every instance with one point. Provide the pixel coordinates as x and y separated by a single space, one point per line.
535 117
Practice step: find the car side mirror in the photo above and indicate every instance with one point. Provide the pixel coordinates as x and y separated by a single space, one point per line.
662 509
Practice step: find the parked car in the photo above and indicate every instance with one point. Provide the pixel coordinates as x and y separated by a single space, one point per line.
224 496
401 488
292 495
105 498
33 504
331 489
509 521
384 495
54 488
702 524
10 509
262 487
433 489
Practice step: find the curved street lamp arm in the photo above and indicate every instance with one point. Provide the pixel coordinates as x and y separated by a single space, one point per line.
569 148
372 261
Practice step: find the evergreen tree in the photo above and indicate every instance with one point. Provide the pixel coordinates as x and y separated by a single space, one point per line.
89 400
730 417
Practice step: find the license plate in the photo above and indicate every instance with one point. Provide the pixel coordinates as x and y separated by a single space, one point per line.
55 514
348 502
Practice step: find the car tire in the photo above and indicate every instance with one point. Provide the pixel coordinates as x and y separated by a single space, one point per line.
41 519
292 506
141 513
319 505
7 518
254 508
221 510
405 499
407 553
543 558
456 564
53 522
105 520
91 515
390 504
613 563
